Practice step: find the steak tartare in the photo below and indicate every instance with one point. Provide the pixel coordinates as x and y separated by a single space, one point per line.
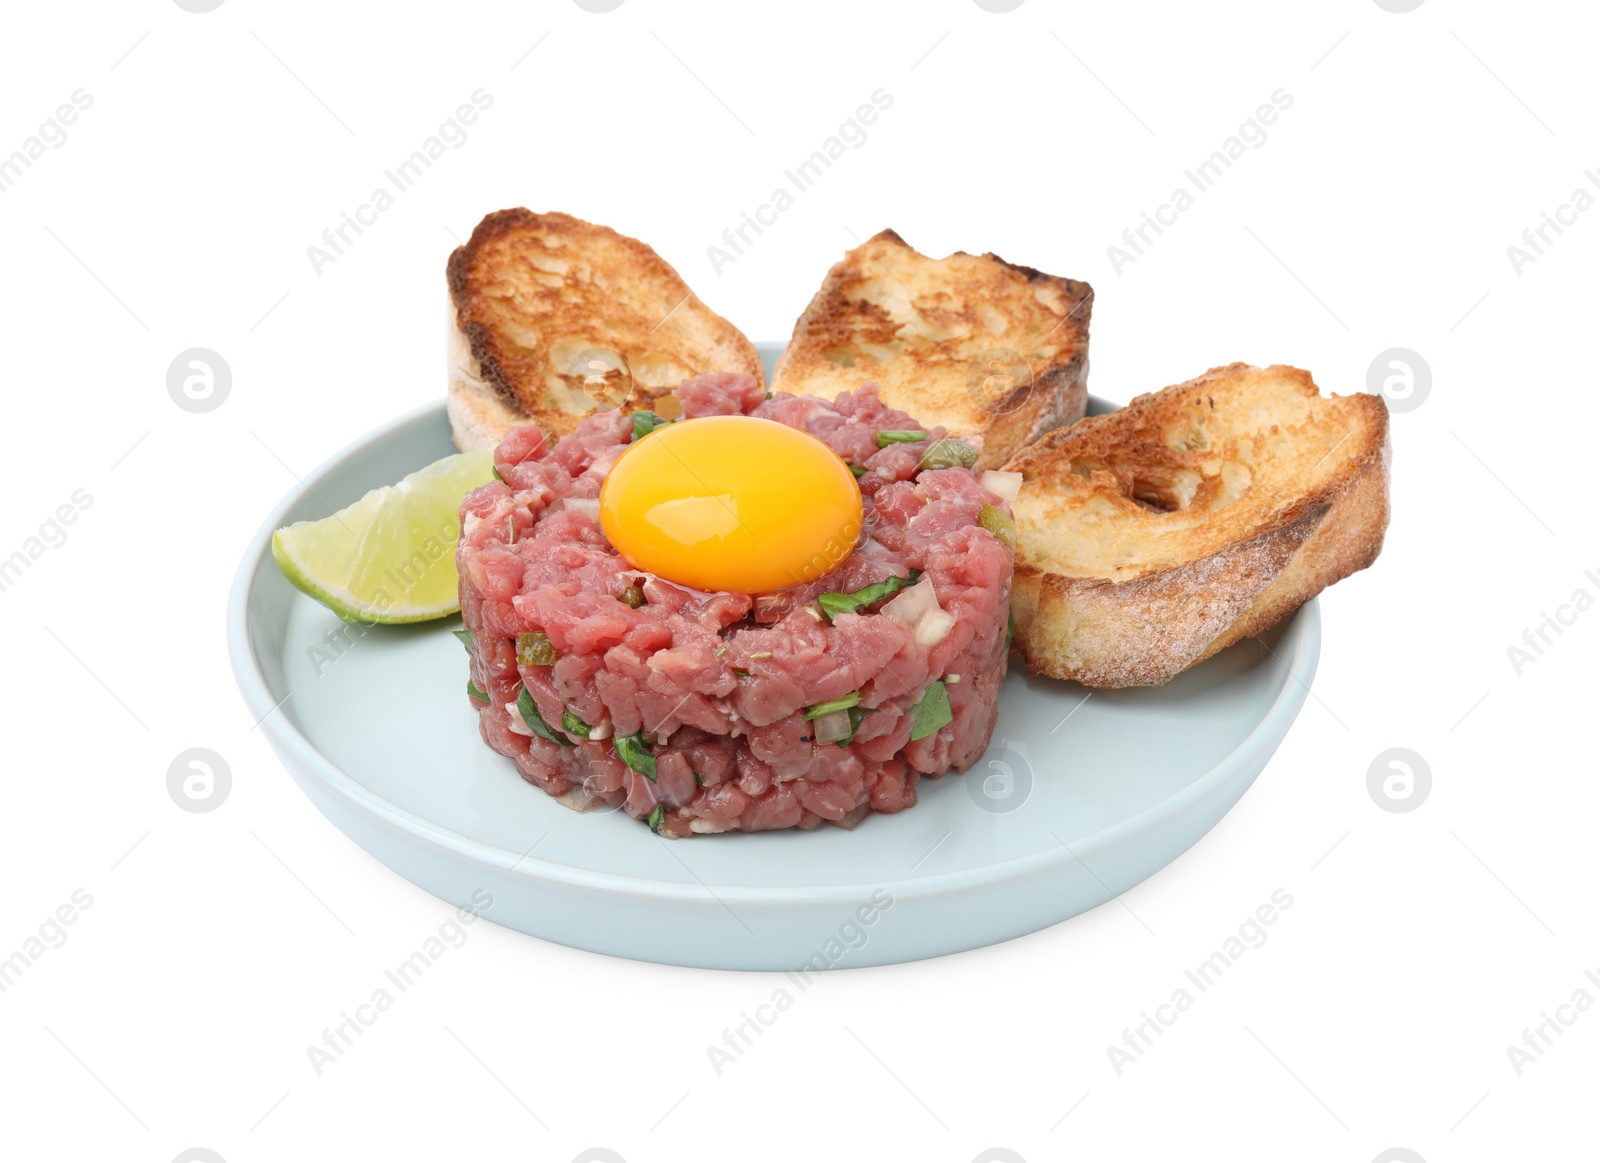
718 711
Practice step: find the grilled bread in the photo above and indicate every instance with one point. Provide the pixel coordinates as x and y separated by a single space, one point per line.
1155 536
553 317
974 343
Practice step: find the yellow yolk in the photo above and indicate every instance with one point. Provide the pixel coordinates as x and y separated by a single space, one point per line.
731 503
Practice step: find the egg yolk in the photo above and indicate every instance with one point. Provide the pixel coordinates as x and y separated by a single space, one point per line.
731 503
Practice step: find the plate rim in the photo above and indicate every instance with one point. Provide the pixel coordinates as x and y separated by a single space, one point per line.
293 747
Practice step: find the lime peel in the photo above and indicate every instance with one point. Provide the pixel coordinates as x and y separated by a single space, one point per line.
389 558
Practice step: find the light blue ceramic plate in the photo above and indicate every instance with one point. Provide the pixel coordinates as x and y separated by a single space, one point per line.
1079 798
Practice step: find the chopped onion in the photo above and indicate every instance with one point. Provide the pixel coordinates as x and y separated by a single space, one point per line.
1005 485
918 607
850 819
934 626
832 727
588 506
578 798
911 603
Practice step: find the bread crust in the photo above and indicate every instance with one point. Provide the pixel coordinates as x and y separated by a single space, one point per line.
926 332
1143 549
533 294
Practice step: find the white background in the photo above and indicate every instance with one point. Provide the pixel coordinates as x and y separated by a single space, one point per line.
1377 214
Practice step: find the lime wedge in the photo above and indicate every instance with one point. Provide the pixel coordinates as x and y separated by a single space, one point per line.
391 556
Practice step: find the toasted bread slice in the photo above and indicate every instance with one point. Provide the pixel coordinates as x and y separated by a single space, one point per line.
553 317
974 343
1151 538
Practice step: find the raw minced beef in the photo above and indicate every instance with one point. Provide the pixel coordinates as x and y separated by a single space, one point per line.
714 686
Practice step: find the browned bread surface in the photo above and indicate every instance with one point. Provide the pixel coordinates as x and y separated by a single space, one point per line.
971 342
1155 536
537 298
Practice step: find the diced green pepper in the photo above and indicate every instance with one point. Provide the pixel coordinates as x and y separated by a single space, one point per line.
573 725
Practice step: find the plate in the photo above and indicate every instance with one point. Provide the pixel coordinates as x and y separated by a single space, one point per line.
1080 796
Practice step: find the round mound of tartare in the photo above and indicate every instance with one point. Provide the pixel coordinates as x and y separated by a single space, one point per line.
714 711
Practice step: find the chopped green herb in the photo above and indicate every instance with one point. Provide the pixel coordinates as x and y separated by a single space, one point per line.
931 712
835 604
631 596
1011 628
857 470
534 649
949 453
474 692
645 423
573 725
699 780
900 436
996 522
856 715
466 639
833 705
496 470
657 815
631 750
535 721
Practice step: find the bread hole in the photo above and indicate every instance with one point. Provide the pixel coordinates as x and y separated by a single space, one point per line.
1155 487
1167 492
840 357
